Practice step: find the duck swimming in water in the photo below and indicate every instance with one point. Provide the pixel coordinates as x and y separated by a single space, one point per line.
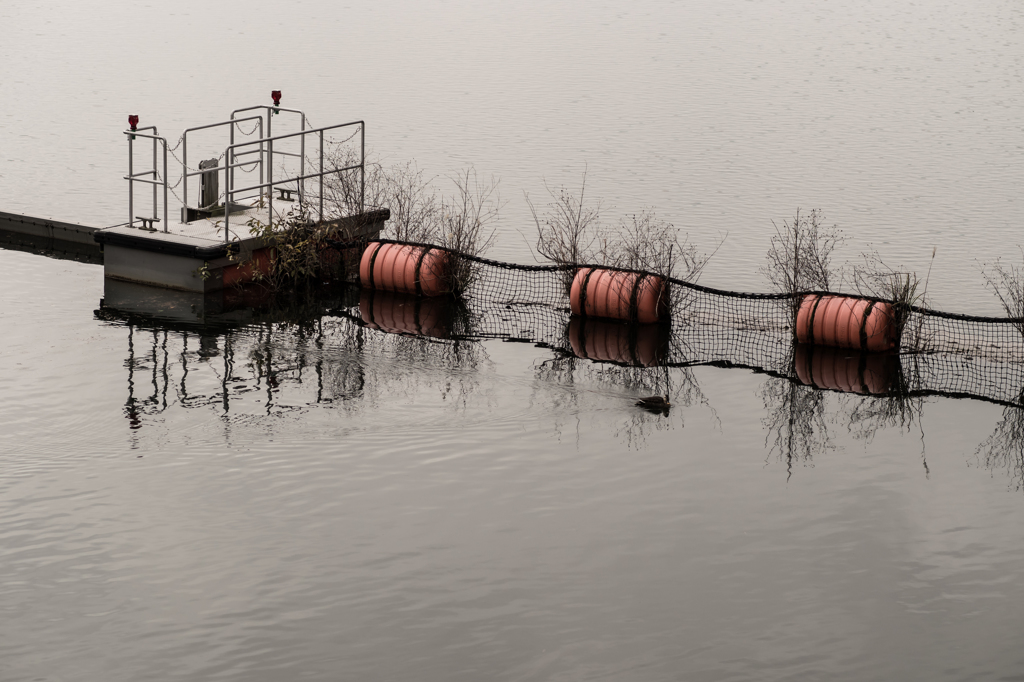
656 403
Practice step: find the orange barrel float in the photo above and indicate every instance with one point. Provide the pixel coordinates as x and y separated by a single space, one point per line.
421 270
619 295
846 322
845 370
643 345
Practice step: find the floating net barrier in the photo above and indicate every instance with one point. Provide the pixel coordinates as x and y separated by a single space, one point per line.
940 353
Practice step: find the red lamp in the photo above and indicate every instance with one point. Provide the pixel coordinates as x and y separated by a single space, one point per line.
133 121
276 96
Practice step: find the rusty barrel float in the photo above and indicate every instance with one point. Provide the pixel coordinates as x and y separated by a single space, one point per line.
619 295
405 268
846 322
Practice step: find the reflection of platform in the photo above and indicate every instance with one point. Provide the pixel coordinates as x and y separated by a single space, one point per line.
229 307
170 306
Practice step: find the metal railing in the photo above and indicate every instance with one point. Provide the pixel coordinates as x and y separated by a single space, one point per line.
185 174
270 182
134 177
270 112
240 155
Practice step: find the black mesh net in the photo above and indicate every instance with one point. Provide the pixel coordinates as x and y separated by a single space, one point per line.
939 353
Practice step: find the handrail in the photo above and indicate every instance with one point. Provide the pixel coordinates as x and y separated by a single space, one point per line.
133 177
230 150
307 176
269 107
270 112
311 131
184 148
262 147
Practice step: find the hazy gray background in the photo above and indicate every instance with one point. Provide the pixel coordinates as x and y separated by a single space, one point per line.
900 120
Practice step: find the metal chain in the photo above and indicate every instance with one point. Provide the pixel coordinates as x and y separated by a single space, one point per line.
181 138
255 125
183 203
195 170
332 141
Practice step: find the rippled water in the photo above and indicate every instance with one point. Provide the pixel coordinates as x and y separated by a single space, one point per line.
271 501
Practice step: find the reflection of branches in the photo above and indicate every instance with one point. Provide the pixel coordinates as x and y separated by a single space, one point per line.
639 424
368 362
679 383
897 408
1004 449
796 418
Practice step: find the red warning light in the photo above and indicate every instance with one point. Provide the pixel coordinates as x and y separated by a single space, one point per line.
133 121
276 96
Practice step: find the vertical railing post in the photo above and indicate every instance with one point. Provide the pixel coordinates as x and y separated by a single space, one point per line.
362 168
154 176
228 186
229 152
270 152
184 173
321 176
131 184
165 184
302 164
270 184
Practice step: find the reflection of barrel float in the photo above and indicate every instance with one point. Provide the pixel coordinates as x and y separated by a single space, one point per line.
845 370
404 314
845 322
642 345
403 267
619 295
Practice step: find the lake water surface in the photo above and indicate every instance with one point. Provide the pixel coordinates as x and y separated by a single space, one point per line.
269 500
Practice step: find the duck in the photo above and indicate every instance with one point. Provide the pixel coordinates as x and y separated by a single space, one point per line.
655 402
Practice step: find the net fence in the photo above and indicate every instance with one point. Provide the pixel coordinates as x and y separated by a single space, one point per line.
939 352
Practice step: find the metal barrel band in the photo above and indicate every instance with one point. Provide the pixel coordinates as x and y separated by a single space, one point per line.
416 273
814 312
634 312
864 326
373 261
583 291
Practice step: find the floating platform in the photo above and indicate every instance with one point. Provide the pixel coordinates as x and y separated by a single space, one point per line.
219 238
187 259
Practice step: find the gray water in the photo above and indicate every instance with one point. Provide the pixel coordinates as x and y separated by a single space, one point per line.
273 502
